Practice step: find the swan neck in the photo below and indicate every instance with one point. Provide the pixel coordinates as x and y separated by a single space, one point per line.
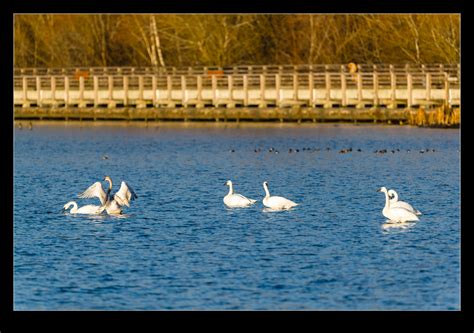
73 204
267 193
231 189
387 200
110 183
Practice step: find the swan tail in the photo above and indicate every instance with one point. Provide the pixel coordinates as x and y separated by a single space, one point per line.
252 201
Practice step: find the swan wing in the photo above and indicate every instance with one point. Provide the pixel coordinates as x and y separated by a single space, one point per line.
277 202
237 200
407 206
401 215
125 194
95 190
241 197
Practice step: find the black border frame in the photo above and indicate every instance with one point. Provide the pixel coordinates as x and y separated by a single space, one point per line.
380 321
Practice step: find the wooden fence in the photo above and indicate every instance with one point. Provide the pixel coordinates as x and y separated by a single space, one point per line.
326 86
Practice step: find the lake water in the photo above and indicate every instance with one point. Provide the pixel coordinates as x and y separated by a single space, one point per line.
179 248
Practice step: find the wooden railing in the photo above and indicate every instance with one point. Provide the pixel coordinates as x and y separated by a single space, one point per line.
309 85
452 70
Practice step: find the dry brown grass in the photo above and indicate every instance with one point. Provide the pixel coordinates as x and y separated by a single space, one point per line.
442 116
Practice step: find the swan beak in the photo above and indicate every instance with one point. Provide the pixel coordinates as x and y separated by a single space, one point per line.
378 190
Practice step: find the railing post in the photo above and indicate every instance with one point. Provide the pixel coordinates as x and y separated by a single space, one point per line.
393 87
230 90
311 87
409 90
81 90
38 91
295 87
359 90
428 87
184 97
125 90
66 90
140 88
110 82
25 89
246 89
328 88
53 89
214 89
262 90
153 88
375 76
446 89
343 89
96 90
277 89
199 88
169 84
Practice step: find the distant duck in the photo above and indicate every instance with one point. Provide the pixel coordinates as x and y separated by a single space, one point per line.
396 214
275 202
87 209
105 157
395 203
235 200
344 151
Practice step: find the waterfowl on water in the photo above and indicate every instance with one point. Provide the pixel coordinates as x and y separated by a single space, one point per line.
111 203
87 209
276 202
395 203
235 200
396 214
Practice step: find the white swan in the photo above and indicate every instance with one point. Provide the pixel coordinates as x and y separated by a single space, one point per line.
112 204
234 200
87 209
274 202
396 214
395 203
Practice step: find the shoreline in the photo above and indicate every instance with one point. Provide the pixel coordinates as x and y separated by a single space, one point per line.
442 117
211 124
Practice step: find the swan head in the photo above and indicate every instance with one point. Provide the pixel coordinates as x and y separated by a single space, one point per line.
228 183
392 194
66 206
382 189
107 178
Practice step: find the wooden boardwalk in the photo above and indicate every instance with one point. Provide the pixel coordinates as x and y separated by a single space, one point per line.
192 93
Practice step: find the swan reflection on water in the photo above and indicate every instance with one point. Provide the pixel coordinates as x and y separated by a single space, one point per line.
97 218
390 226
271 210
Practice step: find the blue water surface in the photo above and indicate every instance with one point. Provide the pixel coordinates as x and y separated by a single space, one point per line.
179 248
